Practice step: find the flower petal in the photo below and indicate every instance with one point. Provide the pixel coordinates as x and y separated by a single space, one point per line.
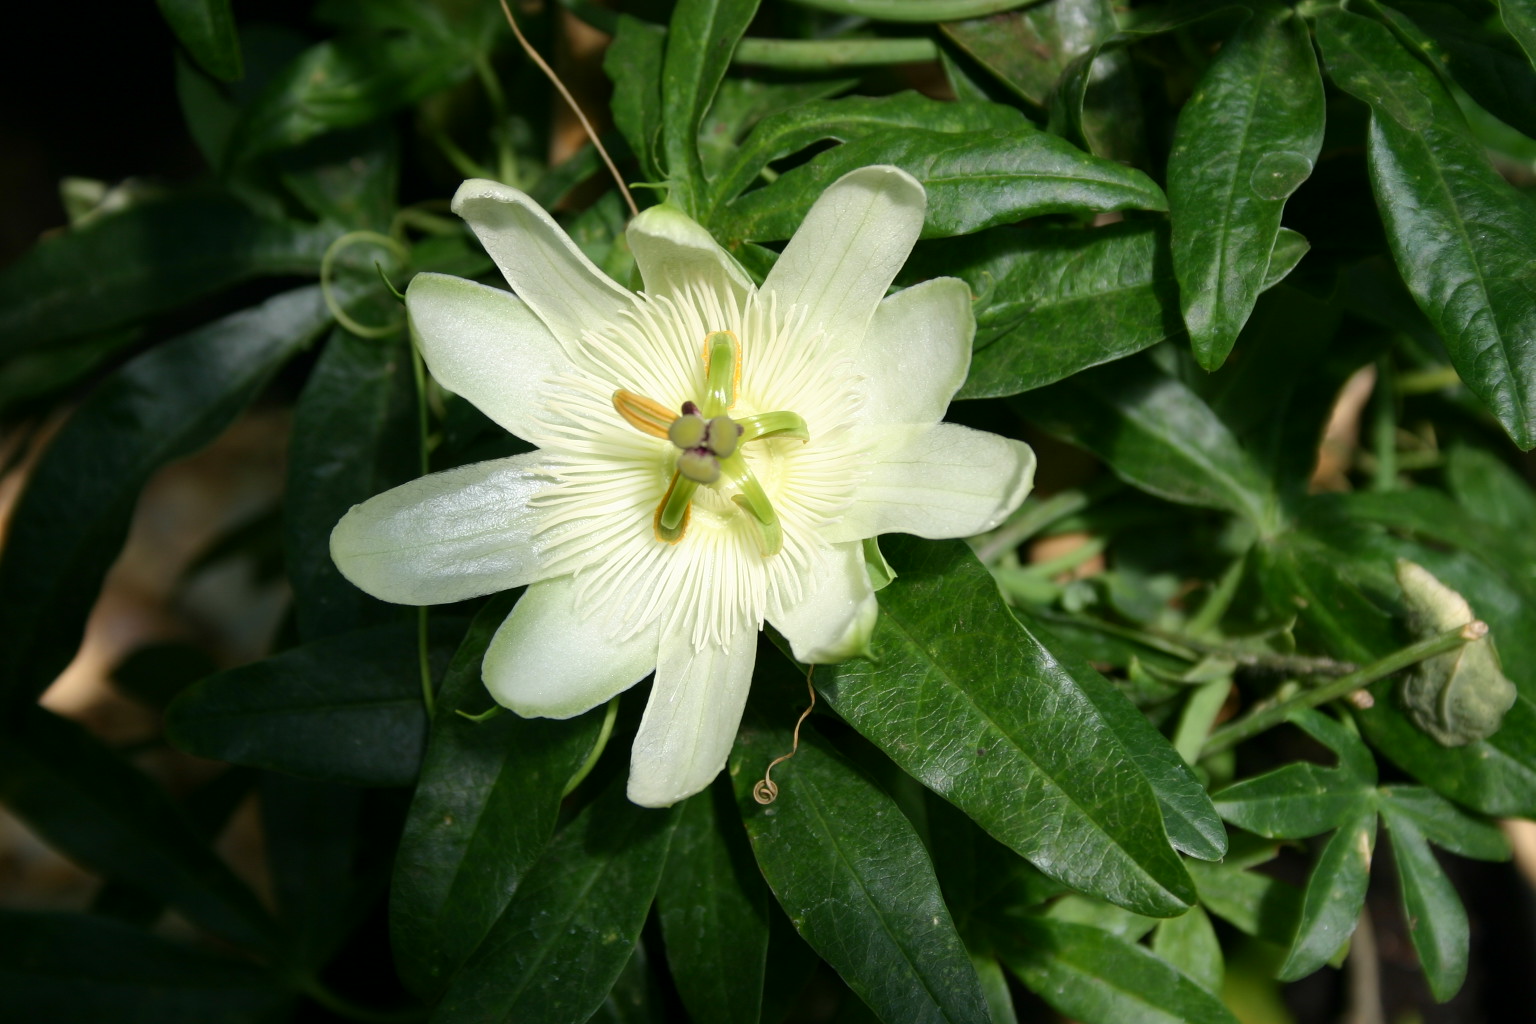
539 260
691 718
445 537
673 251
548 661
936 482
848 250
917 352
834 621
486 345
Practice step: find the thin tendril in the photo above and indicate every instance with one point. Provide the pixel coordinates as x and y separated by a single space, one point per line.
767 791
549 72
327 271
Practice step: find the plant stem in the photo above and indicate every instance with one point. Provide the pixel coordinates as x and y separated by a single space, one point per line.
916 11
1270 715
419 372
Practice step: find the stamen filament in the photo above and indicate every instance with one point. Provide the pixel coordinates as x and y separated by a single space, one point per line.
644 414
671 520
767 425
753 500
722 372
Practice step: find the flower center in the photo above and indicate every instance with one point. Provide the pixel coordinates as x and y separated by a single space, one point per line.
709 444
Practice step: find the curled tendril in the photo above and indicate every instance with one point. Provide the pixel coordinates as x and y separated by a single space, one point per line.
327 271
767 791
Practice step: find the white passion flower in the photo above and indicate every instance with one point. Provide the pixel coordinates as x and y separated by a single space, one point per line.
710 455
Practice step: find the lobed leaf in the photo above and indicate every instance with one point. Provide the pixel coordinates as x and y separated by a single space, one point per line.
1335 892
1437 922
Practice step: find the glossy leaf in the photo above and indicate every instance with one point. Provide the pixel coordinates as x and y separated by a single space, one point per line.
1246 140
1316 582
633 63
563 940
1335 893
483 812
1028 49
354 436
144 260
703 35
714 912
207 29
854 878
1444 824
69 524
74 967
346 708
1437 922
1294 801
112 820
743 103
1157 434
1489 490
353 80
945 644
1098 978
974 180
851 119
1463 238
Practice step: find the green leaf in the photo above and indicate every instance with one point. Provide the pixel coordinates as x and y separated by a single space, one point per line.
1246 140
848 120
353 80
1027 50
1437 922
72 967
112 820
1055 301
974 180
943 701
563 940
149 258
714 912
703 35
70 521
1156 434
346 708
483 812
1462 237
741 104
1486 486
207 29
1335 893
1254 904
1304 576
1445 824
854 878
354 436
1293 801
1519 17
633 63
1099 978
1189 943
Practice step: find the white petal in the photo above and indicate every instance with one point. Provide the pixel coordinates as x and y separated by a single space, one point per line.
548 660
539 260
445 537
917 352
834 621
691 718
486 345
848 250
939 481
673 251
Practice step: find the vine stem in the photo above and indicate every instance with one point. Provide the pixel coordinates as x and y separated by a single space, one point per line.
1271 715
419 372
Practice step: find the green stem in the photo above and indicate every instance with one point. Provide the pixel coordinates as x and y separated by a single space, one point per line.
915 11
1037 515
822 54
1084 552
1421 382
1215 607
609 715
1384 429
1270 715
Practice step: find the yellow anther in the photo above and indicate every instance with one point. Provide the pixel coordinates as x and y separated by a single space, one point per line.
644 414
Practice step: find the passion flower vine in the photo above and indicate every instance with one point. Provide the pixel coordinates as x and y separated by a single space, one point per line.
709 455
